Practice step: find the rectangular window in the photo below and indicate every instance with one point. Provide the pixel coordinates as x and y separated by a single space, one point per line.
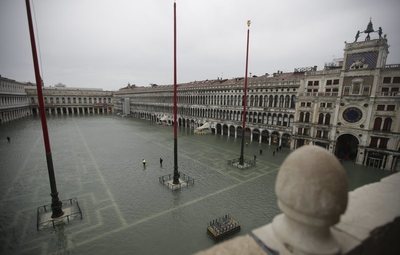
387 79
383 143
335 81
329 82
356 88
385 89
322 105
316 83
329 105
390 107
396 79
328 90
308 104
309 90
309 83
302 104
366 91
374 142
395 89
380 107
335 90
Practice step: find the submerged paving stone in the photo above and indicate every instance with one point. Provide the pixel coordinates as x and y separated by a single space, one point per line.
98 160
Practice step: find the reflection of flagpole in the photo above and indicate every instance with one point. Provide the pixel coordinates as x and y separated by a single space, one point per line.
175 110
241 159
56 205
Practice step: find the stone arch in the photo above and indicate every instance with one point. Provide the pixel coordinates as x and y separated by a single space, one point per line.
218 128
265 136
225 129
239 131
256 134
232 131
275 138
347 147
286 139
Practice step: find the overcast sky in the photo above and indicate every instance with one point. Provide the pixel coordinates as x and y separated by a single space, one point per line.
108 43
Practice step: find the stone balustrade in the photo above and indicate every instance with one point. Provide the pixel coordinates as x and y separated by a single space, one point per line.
320 217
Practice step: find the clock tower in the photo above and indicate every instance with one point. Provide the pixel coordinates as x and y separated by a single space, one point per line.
364 59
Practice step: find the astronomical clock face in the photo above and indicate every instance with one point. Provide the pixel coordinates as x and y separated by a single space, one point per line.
352 114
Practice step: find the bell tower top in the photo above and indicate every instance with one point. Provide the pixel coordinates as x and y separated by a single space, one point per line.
366 54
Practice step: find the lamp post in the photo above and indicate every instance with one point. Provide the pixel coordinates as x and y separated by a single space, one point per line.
241 158
56 205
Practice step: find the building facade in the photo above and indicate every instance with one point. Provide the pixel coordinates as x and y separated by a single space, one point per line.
61 100
14 103
351 107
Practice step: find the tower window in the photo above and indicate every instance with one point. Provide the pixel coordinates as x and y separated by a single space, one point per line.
387 79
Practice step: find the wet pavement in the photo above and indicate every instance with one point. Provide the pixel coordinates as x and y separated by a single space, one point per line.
126 210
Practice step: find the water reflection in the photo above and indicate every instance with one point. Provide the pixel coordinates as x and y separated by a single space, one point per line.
62 240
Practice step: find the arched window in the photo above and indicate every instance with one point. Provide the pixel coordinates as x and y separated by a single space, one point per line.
260 101
276 101
301 119
387 124
377 124
287 101
281 98
321 118
307 117
251 100
292 102
327 119
271 100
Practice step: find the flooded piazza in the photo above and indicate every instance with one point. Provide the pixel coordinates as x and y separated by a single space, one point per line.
98 160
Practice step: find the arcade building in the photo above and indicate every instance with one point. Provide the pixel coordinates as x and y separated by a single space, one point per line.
351 107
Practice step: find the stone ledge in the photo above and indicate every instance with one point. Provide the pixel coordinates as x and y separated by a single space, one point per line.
372 211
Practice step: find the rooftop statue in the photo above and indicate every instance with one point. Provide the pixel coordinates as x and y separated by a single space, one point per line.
357 35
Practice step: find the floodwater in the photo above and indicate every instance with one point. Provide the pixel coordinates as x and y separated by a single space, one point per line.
125 209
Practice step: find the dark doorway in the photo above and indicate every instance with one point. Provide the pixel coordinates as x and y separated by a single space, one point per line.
346 147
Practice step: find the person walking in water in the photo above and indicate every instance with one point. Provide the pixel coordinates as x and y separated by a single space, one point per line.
8 139
144 163
161 160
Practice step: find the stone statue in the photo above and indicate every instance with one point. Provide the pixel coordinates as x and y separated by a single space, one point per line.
380 32
357 35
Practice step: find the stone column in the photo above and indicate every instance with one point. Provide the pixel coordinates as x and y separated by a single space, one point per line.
309 202
383 162
269 139
235 132
260 137
389 163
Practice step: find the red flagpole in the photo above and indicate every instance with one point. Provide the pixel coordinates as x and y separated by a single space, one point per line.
241 159
56 204
175 108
